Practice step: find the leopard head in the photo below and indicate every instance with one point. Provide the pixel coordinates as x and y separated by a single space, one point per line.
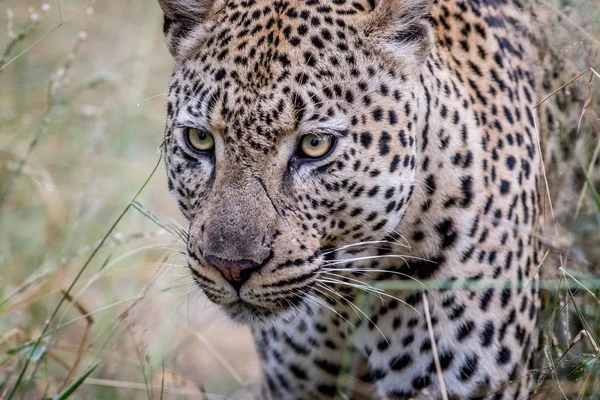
291 130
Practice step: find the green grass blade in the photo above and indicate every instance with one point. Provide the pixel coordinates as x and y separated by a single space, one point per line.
69 390
34 356
595 194
76 279
105 263
138 206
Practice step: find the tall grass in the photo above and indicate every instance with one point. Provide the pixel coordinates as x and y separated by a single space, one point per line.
95 301
85 278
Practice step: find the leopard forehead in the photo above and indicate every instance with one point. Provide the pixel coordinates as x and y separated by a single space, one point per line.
261 72
280 68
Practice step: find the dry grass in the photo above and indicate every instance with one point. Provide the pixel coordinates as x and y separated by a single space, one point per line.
80 125
81 118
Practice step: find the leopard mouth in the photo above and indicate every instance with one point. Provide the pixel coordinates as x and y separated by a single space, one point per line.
259 310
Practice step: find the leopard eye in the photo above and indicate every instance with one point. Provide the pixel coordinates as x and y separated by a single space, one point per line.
315 145
199 140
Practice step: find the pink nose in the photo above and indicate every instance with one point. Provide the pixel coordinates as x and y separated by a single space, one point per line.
235 272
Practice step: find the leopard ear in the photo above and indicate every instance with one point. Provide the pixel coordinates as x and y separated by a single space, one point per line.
404 27
183 22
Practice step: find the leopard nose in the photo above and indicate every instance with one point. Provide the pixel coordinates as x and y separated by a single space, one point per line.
235 272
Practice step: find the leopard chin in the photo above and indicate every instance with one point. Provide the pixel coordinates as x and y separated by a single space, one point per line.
245 313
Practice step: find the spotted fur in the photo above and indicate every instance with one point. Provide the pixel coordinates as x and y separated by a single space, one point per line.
435 176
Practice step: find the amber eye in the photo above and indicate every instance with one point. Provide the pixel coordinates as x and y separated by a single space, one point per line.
315 145
199 140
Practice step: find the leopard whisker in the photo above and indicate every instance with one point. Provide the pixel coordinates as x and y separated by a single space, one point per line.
182 253
357 281
173 265
359 285
368 289
335 292
377 270
395 232
184 297
322 303
365 258
357 309
348 246
178 226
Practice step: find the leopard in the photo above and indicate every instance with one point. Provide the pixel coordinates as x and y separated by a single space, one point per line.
363 185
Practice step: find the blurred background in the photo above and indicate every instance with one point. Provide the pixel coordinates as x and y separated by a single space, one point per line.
82 110
89 92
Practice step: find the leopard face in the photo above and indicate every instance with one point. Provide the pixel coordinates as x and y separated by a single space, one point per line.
291 130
